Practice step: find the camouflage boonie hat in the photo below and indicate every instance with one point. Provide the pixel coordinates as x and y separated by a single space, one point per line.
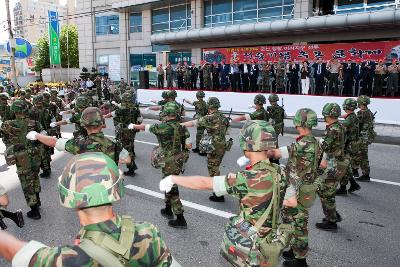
90 180
200 94
363 100
164 94
350 104
213 102
305 117
4 96
91 116
19 106
257 135
171 109
273 98
331 110
260 100
81 102
38 99
172 94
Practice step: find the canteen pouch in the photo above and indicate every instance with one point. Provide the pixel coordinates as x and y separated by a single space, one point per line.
229 144
238 241
307 195
157 158
206 144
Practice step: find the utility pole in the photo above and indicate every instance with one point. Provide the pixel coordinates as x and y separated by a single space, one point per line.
12 45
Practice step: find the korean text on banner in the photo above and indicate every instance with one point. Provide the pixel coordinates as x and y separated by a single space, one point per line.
54 38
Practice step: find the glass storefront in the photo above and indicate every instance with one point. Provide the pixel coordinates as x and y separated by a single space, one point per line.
107 25
140 62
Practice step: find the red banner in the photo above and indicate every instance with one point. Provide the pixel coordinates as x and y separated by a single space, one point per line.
386 50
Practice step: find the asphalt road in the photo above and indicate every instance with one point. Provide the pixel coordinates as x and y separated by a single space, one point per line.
368 236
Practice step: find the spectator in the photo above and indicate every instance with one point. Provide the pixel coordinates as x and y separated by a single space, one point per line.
305 78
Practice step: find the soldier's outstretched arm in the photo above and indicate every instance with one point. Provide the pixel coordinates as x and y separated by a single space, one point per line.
44 139
154 108
189 124
188 101
9 246
191 182
139 127
241 118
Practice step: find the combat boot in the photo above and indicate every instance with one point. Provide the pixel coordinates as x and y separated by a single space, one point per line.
34 213
354 186
288 255
130 172
203 154
338 218
214 198
46 173
196 150
364 178
328 226
342 191
179 222
16 217
295 263
355 173
167 212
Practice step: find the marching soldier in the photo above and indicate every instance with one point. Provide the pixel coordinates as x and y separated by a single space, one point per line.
200 107
259 114
216 125
174 141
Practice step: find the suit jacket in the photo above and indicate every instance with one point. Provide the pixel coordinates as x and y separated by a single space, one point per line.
256 70
349 72
369 72
323 70
242 66
358 72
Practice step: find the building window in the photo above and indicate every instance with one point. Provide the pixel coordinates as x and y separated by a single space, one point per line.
225 12
135 22
107 25
172 18
353 6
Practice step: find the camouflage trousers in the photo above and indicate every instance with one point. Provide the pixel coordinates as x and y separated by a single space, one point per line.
298 217
127 140
265 84
362 160
172 197
207 83
331 177
214 160
199 135
28 173
45 159
280 83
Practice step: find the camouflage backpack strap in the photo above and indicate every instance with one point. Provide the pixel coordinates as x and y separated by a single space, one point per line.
105 249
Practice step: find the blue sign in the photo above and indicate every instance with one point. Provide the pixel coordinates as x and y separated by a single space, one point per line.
23 48
5 61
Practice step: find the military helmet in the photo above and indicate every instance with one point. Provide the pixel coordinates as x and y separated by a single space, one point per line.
91 116
331 110
46 95
81 102
363 100
257 135
4 96
90 180
273 98
38 99
172 94
305 117
171 109
54 91
260 100
200 94
164 94
213 103
350 104
22 92
28 90
19 106
127 98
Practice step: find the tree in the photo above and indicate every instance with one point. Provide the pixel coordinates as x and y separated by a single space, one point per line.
84 74
72 53
41 58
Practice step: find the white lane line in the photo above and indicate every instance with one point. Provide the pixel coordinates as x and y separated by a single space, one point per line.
69 135
185 203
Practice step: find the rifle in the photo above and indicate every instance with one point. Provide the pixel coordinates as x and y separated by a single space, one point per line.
283 116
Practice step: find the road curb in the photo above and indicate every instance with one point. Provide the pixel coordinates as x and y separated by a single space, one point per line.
390 140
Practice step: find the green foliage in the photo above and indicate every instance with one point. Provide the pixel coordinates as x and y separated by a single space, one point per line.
41 57
72 52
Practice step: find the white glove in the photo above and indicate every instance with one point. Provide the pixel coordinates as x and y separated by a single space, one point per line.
243 161
131 126
32 135
251 106
114 103
166 184
53 124
147 109
61 113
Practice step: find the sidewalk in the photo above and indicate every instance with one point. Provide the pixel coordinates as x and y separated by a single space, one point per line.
386 133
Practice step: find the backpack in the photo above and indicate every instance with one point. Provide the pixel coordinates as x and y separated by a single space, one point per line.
104 249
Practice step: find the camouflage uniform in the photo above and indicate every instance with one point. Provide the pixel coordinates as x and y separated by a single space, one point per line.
52 107
200 107
58 102
253 187
207 69
26 98
44 117
216 125
146 248
27 153
266 78
333 147
276 113
261 113
128 113
367 136
80 104
280 77
95 142
301 169
5 112
172 138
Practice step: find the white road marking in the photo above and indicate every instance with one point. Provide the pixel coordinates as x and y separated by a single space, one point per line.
69 135
185 203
